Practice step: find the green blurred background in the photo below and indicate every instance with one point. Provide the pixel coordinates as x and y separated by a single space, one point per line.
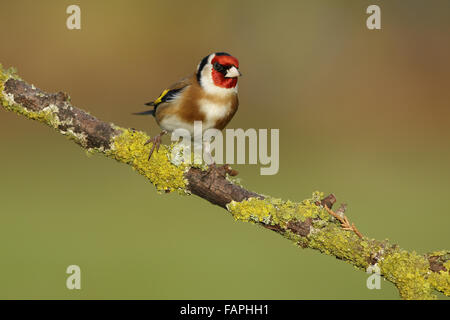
363 114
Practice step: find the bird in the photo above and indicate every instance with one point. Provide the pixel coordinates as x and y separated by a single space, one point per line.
209 95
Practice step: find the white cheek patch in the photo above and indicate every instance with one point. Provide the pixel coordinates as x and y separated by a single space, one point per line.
207 82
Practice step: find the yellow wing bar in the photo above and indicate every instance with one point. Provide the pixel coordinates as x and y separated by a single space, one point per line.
159 100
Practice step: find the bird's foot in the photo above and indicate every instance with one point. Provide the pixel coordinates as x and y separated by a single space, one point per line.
156 141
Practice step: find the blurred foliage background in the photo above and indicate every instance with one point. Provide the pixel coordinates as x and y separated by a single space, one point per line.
363 114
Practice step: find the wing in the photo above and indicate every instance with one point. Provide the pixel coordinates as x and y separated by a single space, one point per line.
167 95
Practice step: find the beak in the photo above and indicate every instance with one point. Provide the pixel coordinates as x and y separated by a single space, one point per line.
233 72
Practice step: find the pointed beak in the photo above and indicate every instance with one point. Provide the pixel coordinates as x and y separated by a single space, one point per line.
233 72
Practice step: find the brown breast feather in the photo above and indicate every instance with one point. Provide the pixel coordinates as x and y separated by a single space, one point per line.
188 109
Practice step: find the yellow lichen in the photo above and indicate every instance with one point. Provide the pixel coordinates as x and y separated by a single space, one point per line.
409 272
440 281
438 253
4 76
276 211
335 241
129 148
447 265
253 209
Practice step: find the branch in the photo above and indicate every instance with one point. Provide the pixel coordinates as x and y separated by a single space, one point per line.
310 223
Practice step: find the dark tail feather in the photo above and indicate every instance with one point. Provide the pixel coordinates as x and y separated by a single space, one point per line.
152 112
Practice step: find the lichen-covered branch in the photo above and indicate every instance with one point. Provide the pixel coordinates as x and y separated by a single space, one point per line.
307 223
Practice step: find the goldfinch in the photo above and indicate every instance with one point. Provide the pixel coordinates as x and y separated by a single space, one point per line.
209 95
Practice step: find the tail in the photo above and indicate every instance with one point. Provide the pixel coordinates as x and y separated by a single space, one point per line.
143 113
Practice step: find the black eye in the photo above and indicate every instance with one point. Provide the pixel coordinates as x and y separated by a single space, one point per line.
218 67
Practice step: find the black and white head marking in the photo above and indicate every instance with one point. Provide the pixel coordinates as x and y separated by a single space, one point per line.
204 77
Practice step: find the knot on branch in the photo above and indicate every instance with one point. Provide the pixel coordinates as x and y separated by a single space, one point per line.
301 228
438 260
214 186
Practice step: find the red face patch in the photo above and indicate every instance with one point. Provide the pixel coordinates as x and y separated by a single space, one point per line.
218 77
226 60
